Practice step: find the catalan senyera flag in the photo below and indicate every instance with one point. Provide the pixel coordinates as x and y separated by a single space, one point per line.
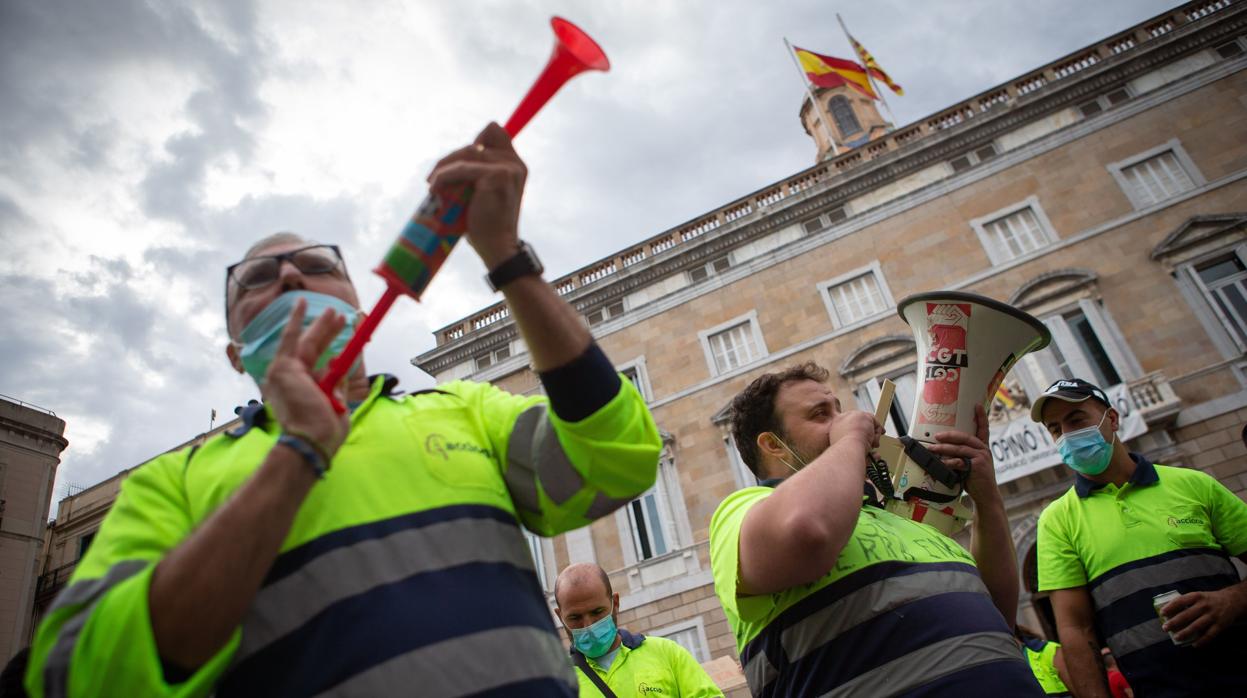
825 71
875 71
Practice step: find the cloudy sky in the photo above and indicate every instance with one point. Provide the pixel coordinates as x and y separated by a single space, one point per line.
144 145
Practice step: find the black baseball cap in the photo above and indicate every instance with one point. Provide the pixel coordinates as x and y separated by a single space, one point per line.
1068 390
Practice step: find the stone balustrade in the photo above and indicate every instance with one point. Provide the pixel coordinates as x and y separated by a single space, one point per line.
1001 97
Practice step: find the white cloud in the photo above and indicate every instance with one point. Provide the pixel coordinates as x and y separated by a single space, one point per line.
143 147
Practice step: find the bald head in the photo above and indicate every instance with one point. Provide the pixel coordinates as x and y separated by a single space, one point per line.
583 596
582 577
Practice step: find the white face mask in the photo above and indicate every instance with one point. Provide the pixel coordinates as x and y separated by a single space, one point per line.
794 455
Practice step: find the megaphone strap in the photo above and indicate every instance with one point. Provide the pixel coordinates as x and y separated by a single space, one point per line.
934 467
928 495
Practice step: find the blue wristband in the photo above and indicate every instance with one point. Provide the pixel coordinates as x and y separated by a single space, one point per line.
303 447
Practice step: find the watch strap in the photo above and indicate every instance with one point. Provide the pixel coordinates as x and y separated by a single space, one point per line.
523 263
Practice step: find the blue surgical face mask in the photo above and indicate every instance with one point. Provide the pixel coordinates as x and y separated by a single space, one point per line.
595 640
259 339
1085 450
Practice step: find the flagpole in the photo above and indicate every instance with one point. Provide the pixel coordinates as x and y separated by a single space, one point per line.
869 77
818 108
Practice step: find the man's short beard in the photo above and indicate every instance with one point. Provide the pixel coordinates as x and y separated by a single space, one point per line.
804 458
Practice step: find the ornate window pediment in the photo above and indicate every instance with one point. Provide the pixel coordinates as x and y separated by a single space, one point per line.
1207 256
1200 235
1061 286
880 356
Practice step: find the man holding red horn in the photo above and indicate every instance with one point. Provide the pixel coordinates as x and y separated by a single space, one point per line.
377 552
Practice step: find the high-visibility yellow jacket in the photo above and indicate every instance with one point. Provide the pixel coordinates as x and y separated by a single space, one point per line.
405 571
1041 658
902 610
1165 529
654 667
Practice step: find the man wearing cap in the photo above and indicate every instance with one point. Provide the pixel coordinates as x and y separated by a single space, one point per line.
375 553
611 661
1128 531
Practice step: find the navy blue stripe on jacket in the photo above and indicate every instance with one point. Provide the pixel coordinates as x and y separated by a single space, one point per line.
401 617
1162 668
996 680
536 688
294 559
1167 671
362 631
769 640
886 637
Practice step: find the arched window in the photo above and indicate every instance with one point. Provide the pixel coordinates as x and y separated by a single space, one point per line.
842 112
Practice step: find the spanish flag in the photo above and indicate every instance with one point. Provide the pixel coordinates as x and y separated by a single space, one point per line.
875 71
1005 397
825 71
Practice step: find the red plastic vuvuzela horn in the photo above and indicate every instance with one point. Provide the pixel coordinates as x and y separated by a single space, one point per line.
439 221
574 53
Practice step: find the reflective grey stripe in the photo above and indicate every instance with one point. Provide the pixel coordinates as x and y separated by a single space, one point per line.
521 478
759 672
1138 637
871 601
87 592
534 447
930 663
603 505
345 572
465 666
1161 574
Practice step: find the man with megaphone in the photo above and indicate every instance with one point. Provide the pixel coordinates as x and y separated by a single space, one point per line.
827 592
1138 555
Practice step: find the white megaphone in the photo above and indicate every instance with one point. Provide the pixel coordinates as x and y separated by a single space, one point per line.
966 345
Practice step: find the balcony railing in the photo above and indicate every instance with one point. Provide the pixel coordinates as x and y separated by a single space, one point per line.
1155 398
977 107
50 583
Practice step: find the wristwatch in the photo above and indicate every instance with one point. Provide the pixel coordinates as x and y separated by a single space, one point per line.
522 263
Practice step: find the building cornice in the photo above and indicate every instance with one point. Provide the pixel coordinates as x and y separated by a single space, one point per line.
968 282
848 184
42 437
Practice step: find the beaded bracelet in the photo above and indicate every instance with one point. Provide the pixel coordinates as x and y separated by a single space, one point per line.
313 453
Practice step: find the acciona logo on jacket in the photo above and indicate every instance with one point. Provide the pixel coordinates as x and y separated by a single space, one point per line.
1175 522
437 445
646 689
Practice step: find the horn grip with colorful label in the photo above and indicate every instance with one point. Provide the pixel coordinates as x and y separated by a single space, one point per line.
426 241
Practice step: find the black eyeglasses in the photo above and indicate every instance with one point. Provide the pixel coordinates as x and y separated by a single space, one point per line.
257 272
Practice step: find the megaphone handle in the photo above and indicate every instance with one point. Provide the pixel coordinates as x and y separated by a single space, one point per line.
342 362
885 400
